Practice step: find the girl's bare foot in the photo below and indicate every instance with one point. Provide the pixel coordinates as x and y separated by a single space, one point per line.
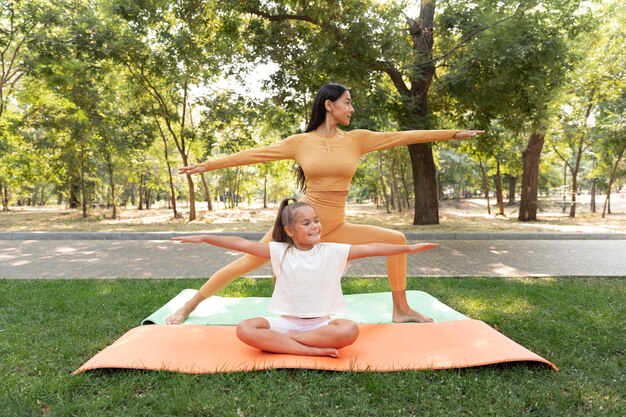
315 351
312 350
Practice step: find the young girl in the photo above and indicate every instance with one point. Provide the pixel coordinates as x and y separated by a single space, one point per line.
308 283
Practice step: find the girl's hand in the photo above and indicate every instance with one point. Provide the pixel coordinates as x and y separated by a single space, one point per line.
464 134
192 169
421 247
188 239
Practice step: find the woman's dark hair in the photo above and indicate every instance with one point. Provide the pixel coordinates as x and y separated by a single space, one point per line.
332 92
286 213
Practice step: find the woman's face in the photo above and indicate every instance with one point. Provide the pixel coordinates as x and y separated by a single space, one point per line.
340 110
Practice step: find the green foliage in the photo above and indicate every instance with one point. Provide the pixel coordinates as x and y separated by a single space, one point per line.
513 69
98 85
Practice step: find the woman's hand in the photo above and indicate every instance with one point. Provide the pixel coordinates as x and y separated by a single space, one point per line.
464 134
192 169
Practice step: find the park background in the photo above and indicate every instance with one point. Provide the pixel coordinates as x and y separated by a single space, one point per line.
102 100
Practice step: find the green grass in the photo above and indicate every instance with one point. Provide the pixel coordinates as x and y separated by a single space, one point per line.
49 328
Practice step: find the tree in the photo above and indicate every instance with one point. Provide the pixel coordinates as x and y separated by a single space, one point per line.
514 70
356 41
169 48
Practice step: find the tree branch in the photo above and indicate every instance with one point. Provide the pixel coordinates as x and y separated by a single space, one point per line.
282 17
298 17
467 39
396 77
562 158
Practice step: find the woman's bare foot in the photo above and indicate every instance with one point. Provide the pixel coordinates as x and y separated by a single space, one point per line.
410 316
403 313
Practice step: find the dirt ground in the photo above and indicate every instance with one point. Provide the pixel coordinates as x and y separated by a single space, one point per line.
466 215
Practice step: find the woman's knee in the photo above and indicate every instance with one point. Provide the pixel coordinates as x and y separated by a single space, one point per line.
396 237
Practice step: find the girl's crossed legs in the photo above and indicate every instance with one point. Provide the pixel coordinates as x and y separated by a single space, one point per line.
324 340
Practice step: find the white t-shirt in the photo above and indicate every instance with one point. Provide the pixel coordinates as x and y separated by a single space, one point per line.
308 283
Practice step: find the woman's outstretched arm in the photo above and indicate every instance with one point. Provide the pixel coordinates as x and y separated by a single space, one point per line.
386 249
376 141
283 149
260 249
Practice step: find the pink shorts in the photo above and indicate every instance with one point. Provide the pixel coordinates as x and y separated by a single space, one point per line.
289 324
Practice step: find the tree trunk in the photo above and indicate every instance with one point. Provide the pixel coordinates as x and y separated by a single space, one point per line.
499 196
530 177
375 198
405 187
169 171
424 184
192 197
512 184
73 192
83 190
148 193
393 183
383 188
579 154
564 205
415 100
265 191
112 185
592 204
4 191
140 205
572 209
611 180
207 193
237 185
485 184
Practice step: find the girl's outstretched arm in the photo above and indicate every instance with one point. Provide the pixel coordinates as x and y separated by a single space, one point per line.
387 249
260 249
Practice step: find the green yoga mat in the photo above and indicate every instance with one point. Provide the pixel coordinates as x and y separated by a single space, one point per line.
362 308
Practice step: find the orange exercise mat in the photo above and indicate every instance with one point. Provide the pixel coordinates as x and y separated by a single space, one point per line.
380 347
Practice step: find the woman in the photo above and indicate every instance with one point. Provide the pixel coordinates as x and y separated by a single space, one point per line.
327 159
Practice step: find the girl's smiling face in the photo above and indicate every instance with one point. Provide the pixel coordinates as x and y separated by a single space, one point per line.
305 229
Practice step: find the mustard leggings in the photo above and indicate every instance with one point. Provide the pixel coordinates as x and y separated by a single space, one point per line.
331 211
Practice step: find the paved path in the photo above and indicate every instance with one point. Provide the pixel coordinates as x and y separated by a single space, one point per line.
143 256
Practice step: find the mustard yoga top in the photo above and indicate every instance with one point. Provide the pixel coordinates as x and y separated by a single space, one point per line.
328 162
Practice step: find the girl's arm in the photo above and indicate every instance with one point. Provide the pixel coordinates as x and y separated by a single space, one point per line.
260 249
375 141
283 149
386 249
